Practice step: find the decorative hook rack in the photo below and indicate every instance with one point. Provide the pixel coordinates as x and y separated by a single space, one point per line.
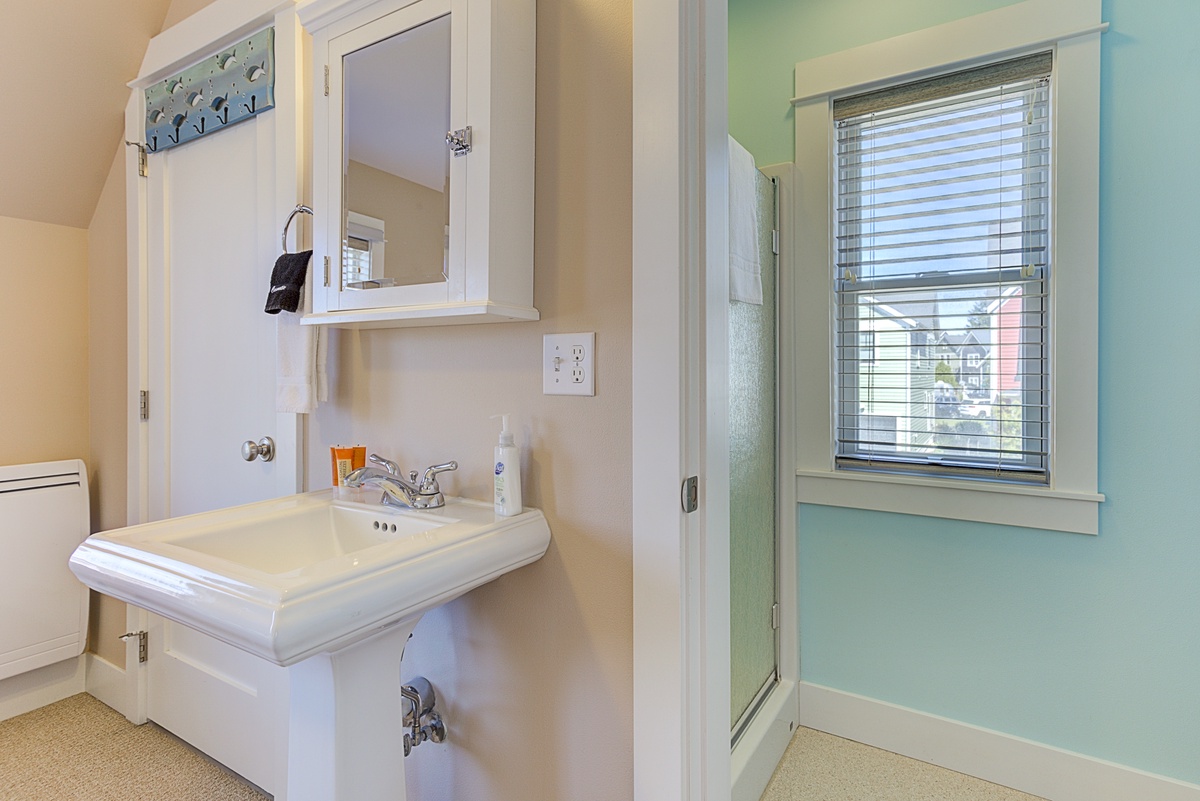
300 209
233 85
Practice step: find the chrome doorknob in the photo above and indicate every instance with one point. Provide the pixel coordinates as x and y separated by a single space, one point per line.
264 449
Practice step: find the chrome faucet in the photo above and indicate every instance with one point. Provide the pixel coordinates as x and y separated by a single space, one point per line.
411 493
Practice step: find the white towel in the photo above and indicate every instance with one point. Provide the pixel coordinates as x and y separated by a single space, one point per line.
745 262
300 356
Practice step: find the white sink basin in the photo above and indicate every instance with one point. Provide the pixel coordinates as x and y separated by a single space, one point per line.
307 574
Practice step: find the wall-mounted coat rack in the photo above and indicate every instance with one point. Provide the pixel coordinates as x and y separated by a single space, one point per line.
233 85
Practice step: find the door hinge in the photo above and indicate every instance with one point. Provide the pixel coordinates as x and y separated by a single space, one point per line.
775 241
326 271
774 616
459 141
327 80
144 405
690 494
143 161
143 643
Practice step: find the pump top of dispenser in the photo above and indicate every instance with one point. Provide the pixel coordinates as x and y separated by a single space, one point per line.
506 436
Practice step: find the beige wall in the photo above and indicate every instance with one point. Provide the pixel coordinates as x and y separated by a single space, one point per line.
107 373
536 668
414 221
43 342
182 9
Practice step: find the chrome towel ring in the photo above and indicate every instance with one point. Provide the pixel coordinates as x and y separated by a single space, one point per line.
300 209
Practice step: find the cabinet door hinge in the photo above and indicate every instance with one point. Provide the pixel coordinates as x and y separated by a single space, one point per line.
326 271
144 405
143 160
143 643
775 241
327 80
774 616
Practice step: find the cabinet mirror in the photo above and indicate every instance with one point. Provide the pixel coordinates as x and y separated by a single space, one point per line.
396 166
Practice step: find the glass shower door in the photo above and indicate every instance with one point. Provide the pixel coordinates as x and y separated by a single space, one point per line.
752 466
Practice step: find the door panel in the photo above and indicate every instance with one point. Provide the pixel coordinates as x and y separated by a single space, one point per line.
753 545
222 359
212 243
219 699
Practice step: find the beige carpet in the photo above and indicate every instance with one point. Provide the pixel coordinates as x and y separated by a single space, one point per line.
80 750
821 767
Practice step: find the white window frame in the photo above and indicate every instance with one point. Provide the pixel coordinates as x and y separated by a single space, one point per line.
1072 29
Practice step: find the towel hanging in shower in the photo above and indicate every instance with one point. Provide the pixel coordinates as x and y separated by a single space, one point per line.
745 261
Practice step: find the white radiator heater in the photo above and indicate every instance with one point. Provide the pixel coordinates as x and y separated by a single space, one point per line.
43 608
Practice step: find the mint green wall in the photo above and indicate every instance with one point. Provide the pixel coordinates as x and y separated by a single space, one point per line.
1091 644
768 37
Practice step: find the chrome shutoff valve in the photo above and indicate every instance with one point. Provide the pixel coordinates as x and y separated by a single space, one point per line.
422 719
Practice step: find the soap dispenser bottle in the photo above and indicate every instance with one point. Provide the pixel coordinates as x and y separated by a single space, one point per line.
508 472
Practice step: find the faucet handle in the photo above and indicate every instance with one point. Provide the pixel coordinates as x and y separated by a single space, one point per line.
386 464
429 482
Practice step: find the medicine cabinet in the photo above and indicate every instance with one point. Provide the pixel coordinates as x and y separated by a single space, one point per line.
423 131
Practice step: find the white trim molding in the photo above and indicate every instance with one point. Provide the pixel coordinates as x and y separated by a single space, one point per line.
1025 765
1010 504
944 48
680 561
760 748
107 683
1070 503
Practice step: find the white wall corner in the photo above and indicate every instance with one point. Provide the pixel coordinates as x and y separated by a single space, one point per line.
1031 767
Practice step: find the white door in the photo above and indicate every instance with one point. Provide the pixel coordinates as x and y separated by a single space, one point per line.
209 219
217 387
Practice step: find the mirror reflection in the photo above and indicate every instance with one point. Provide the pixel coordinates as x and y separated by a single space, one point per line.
395 163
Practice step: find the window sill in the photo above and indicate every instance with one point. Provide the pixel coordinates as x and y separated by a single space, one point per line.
1002 504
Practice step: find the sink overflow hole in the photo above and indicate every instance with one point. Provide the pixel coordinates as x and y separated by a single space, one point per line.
385 526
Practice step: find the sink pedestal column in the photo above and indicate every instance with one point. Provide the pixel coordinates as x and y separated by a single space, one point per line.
346 731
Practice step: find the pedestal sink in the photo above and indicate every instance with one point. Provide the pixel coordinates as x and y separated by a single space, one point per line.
330 589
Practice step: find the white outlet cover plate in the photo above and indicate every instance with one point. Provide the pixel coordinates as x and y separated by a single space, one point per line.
569 364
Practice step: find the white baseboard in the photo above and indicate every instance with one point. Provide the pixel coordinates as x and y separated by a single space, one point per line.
37 688
1024 765
107 683
761 746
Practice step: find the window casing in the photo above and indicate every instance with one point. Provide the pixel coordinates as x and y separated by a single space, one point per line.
1068 500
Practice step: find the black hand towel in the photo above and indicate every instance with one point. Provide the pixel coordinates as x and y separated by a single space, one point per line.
287 280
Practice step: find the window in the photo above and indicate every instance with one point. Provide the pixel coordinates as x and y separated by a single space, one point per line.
942 229
362 252
866 348
959 227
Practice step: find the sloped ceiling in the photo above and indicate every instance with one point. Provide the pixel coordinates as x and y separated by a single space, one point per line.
63 69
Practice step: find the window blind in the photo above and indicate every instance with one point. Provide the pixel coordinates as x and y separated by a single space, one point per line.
942 269
356 259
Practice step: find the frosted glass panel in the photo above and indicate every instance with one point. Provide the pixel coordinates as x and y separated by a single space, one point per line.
752 477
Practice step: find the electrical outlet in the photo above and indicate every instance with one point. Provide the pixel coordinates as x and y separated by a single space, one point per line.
568 364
